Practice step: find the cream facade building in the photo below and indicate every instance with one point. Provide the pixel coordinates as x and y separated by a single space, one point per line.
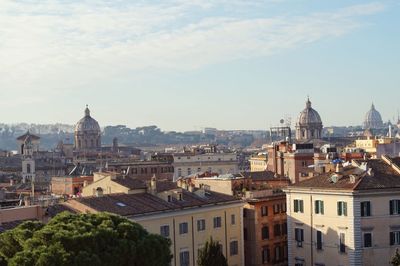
189 163
347 217
258 163
187 216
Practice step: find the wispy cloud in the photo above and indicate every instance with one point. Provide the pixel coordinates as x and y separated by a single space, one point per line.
54 44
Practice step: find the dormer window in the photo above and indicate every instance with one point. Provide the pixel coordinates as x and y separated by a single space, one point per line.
180 197
169 198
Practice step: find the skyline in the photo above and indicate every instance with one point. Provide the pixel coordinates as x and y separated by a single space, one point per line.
176 64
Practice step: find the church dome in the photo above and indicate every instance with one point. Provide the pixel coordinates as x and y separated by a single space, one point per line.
87 123
309 116
373 119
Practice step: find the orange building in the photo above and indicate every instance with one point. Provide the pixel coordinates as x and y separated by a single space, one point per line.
265 229
69 185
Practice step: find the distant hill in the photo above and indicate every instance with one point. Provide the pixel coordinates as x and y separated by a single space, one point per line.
52 134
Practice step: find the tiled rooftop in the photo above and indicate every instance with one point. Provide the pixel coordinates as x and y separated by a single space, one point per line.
143 203
382 176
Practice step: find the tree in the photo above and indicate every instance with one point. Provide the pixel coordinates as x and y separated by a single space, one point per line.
396 259
84 239
211 254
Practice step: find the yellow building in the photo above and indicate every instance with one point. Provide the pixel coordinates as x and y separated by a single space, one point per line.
258 163
347 217
188 217
110 183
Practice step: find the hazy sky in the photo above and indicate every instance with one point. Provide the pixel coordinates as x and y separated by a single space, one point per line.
187 64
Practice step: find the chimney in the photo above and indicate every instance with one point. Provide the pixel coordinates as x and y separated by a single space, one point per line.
339 167
153 185
27 201
11 182
85 183
191 188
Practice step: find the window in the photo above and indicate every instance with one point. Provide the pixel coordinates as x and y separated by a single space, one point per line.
201 225
278 254
395 238
265 255
179 172
184 258
277 230
299 236
342 208
234 248
283 207
367 237
233 219
183 228
189 171
265 233
169 198
298 206
319 240
319 207
199 170
217 222
164 230
394 207
342 244
277 208
365 208
245 233
264 211
284 229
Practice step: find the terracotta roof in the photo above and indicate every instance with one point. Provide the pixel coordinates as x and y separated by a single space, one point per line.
144 203
262 175
130 182
383 176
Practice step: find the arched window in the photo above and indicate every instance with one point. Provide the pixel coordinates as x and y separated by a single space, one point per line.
99 192
28 168
91 143
303 133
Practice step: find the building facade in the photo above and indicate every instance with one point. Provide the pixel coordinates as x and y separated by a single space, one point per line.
189 163
347 217
265 229
188 217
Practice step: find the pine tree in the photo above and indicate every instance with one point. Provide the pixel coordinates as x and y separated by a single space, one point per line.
211 254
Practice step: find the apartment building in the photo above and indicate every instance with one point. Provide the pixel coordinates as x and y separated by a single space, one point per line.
347 217
187 216
265 228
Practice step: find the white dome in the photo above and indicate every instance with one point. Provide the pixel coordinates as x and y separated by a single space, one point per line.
373 119
87 123
309 116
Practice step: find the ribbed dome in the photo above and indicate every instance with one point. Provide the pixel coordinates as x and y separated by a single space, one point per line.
373 119
309 116
87 123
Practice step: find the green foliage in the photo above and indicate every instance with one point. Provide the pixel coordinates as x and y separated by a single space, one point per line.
211 254
84 239
396 259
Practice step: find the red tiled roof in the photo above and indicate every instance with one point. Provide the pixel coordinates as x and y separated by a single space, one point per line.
143 203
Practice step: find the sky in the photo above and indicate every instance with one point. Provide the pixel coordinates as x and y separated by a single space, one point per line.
189 64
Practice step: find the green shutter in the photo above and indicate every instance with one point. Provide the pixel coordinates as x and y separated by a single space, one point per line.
391 205
322 206
301 206
296 206
339 208
345 208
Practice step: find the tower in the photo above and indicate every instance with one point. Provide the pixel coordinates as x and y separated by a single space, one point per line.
28 145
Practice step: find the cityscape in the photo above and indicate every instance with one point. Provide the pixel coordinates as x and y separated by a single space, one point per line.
200 133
